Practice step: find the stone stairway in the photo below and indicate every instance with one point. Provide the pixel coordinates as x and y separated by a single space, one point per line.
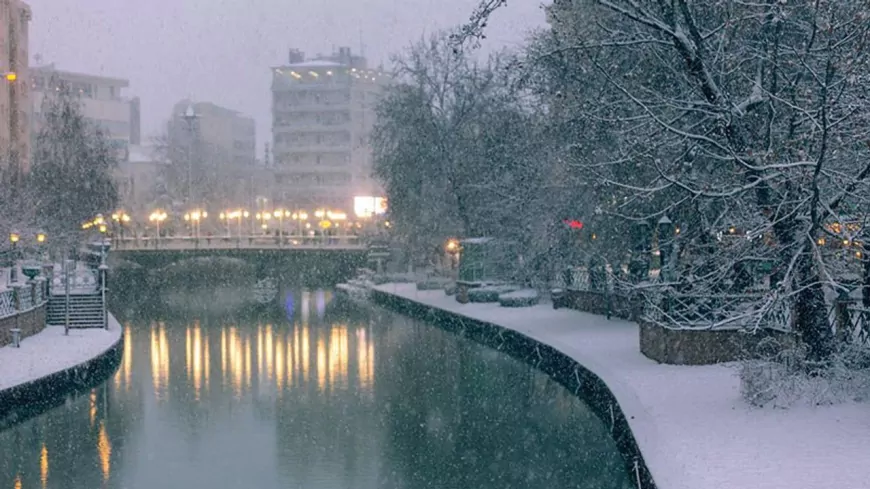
85 311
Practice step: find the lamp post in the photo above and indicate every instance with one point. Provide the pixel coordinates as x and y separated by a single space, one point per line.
119 219
225 216
281 214
41 238
14 236
103 230
195 217
157 217
189 116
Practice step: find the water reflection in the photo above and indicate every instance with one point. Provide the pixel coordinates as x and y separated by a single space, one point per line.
43 466
330 398
159 360
104 449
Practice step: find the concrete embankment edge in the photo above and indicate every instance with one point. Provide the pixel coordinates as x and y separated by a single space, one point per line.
559 366
38 395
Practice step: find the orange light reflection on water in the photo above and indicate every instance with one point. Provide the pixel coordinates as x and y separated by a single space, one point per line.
104 450
43 466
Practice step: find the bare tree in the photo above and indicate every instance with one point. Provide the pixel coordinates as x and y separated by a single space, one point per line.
457 148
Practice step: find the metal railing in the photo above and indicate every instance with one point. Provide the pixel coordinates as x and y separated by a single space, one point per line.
236 242
851 322
22 297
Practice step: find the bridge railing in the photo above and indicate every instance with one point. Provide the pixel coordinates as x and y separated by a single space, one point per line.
238 242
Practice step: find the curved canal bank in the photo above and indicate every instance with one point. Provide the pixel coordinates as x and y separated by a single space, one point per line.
689 422
561 367
49 366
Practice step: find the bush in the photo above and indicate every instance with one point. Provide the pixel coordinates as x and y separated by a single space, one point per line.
788 379
519 298
450 288
490 293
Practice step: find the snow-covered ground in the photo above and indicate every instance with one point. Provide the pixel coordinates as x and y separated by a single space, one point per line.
692 427
50 351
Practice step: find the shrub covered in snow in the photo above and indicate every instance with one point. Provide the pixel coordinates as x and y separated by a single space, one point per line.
490 293
432 283
788 379
519 298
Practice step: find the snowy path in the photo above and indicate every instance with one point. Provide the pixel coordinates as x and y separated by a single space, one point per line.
692 427
50 351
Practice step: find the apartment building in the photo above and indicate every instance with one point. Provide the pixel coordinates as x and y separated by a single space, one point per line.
14 109
323 112
103 102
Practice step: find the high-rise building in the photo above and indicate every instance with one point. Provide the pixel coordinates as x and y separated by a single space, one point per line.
323 112
14 109
103 102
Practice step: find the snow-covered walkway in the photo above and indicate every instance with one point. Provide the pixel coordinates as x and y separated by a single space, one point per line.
692 427
50 351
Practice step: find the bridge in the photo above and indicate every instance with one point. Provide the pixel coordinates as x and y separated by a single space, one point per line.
337 256
259 242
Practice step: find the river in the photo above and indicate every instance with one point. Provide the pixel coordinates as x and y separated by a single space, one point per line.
306 392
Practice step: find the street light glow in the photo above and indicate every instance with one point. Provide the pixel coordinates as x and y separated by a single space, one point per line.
11 76
40 237
157 216
14 237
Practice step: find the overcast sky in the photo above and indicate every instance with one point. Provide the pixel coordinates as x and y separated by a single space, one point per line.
221 50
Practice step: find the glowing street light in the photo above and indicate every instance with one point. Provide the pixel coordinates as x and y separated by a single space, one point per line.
196 216
157 217
14 237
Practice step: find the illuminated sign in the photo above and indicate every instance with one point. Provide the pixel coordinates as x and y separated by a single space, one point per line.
369 206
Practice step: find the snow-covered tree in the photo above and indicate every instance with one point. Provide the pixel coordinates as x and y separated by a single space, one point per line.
457 148
71 178
744 123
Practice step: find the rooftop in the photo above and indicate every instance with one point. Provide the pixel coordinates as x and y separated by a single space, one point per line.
50 69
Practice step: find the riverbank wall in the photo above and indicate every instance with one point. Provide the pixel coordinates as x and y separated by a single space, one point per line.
58 367
562 368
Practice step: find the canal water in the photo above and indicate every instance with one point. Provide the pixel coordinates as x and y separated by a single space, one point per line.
302 391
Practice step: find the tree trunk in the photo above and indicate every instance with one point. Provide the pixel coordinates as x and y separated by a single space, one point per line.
811 317
865 291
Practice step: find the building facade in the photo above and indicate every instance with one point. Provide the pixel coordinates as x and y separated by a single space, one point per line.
323 112
225 130
221 146
137 181
14 108
103 102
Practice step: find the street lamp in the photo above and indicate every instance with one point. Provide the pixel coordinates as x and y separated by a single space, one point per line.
226 216
195 217
299 216
189 116
157 217
14 237
119 219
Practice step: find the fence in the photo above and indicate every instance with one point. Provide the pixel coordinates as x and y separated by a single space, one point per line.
22 298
